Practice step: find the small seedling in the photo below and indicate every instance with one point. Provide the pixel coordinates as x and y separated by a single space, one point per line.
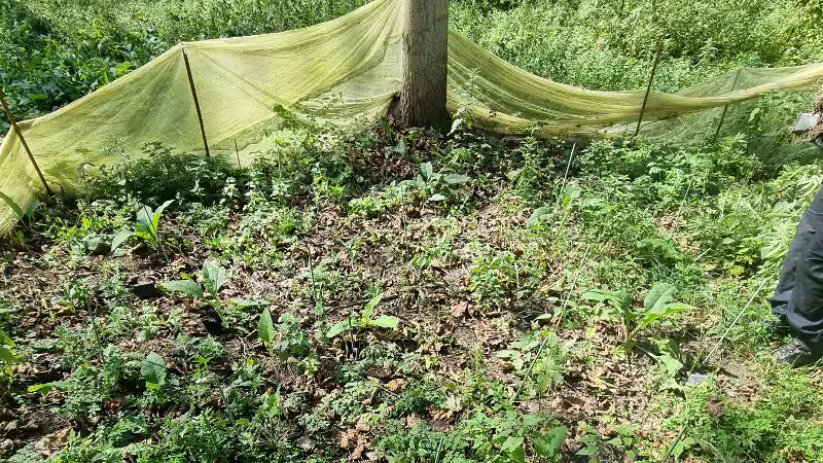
537 359
214 277
145 227
364 321
436 186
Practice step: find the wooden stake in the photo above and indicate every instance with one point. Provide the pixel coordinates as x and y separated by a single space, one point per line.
196 102
23 141
649 87
726 108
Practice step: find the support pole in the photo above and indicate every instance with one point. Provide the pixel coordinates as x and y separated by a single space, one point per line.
726 108
196 102
16 128
649 87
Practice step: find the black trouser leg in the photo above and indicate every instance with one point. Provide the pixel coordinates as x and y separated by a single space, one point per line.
805 308
783 293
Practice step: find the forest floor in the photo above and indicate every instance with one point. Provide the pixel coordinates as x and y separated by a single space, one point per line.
384 297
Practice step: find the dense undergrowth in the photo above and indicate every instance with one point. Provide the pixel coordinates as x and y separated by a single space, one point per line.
384 297
410 297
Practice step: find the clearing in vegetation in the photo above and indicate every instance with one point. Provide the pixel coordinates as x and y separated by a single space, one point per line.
380 295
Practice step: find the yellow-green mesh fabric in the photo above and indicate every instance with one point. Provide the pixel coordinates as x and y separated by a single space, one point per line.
343 72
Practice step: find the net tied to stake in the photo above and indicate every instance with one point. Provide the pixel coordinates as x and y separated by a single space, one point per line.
343 72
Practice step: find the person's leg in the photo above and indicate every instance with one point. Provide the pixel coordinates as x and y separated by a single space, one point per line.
805 311
783 292
812 220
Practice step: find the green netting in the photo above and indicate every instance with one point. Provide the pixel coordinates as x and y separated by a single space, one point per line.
343 72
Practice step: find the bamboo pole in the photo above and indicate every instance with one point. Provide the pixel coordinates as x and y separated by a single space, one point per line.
726 108
16 128
649 87
196 102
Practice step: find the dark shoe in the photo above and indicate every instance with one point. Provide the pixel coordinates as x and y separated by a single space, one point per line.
796 354
779 327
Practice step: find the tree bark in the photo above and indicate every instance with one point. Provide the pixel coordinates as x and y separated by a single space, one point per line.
422 100
817 132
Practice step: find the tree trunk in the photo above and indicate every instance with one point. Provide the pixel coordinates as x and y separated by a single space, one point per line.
422 100
817 132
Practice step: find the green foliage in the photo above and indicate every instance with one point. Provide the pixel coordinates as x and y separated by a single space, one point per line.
213 277
509 437
153 370
493 278
7 354
288 341
657 305
265 329
266 228
437 187
225 399
494 219
160 175
548 364
90 386
188 287
610 45
147 227
421 444
743 428
54 53
292 341
364 321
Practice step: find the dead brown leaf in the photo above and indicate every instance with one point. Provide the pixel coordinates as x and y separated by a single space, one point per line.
716 407
347 439
362 425
358 451
459 309
396 385
413 421
53 442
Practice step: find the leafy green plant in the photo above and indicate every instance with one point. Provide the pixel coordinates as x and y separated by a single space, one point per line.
493 277
658 304
8 357
364 320
421 445
548 363
272 404
153 369
591 445
146 227
367 206
213 277
511 436
436 186
287 339
265 329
